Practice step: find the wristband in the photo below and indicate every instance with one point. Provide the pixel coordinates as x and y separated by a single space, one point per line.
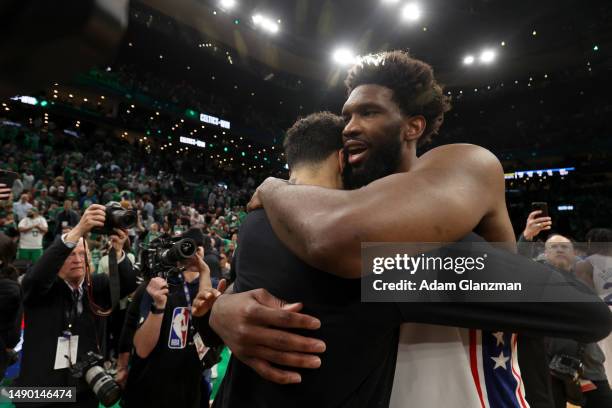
155 310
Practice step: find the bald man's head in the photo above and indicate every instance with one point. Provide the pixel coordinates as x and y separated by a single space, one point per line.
559 252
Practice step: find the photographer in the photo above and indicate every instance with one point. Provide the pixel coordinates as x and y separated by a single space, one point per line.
170 355
61 300
10 304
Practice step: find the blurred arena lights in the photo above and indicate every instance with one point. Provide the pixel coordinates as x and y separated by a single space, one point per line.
411 12
227 4
344 56
487 56
468 60
390 1
266 23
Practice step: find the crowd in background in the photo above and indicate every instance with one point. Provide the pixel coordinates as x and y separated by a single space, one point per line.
60 177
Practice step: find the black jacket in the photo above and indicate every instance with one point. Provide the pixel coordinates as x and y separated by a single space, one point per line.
46 300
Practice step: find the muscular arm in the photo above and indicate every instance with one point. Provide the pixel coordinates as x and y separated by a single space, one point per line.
451 191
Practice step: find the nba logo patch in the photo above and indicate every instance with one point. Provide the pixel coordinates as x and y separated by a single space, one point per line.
179 328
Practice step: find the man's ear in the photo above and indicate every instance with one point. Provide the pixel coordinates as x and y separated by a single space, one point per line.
413 127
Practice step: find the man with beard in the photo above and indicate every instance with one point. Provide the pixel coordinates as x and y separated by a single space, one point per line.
392 104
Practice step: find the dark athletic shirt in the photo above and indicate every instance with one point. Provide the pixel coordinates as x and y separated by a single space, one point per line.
357 367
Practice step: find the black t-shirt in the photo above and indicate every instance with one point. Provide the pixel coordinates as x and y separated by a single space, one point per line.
357 367
172 374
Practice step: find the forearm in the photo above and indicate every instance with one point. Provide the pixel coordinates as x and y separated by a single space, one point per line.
43 273
147 335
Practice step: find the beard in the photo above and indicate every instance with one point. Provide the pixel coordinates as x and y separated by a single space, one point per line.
382 161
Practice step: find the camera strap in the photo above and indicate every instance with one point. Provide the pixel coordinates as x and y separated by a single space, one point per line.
188 298
201 349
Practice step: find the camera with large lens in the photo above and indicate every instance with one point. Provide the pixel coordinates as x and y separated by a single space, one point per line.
116 217
104 387
163 255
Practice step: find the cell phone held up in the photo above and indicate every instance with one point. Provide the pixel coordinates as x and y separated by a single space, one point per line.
540 206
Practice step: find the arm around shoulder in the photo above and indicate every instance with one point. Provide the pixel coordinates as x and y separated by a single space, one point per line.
450 190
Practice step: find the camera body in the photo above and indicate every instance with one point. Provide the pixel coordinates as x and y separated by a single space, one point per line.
104 387
566 367
116 217
160 258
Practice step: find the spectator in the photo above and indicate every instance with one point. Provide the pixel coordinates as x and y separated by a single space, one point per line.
153 234
43 201
17 187
59 299
89 199
224 267
211 257
178 228
32 230
559 253
28 180
149 208
21 207
67 218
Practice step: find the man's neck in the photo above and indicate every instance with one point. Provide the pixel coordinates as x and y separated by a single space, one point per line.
409 158
190 275
313 177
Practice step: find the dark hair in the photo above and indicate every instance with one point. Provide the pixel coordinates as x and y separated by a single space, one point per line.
312 139
8 249
412 81
599 240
